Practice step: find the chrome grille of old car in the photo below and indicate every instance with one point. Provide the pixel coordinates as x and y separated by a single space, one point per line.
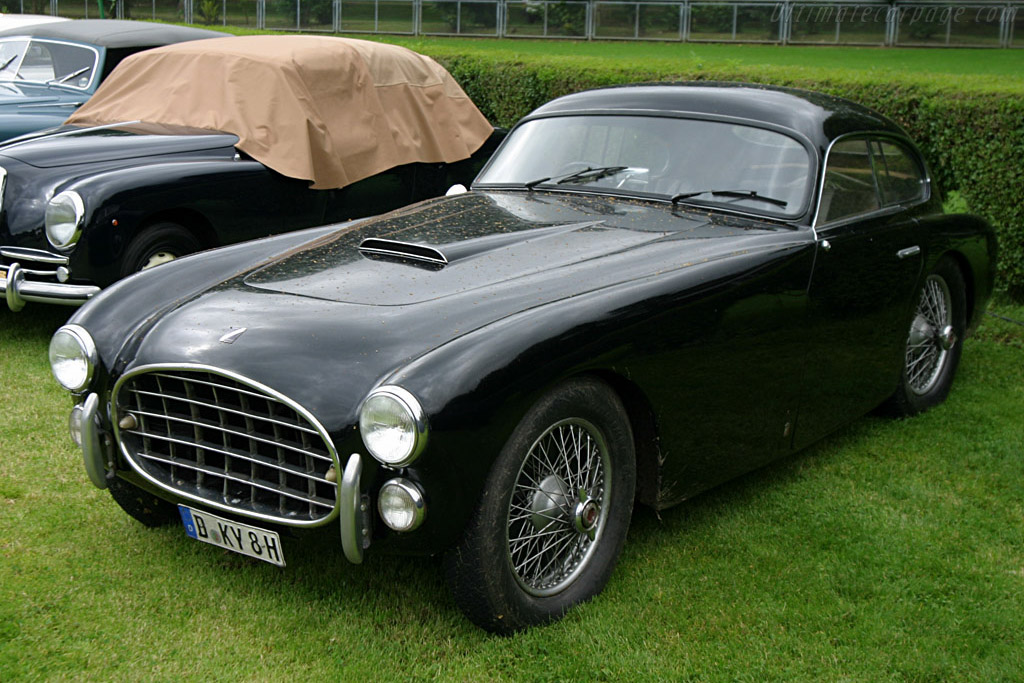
220 439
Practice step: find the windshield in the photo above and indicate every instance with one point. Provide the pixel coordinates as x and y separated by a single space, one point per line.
47 61
684 160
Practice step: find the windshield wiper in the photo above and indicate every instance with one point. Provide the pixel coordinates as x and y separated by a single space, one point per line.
739 194
8 62
71 75
586 174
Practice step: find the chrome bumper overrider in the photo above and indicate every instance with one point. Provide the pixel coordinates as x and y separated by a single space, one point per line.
96 460
17 290
354 525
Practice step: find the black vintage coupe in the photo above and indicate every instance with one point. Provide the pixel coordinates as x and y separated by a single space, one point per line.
189 146
649 290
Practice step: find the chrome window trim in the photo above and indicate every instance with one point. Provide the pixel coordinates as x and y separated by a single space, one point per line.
797 136
868 136
96 66
3 186
237 377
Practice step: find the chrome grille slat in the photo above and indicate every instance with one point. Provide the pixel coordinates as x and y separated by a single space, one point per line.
227 453
202 404
199 424
266 486
221 386
215 437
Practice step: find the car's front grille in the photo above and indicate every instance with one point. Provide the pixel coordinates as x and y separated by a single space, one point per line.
219 439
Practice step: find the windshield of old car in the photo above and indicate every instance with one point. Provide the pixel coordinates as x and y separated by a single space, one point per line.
47 61
691 161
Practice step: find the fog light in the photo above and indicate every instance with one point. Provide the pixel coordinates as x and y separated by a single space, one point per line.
401 504
75 424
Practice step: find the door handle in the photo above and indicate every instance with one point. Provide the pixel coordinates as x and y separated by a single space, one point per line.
908 252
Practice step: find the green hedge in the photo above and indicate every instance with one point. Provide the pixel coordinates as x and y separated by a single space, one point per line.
970 130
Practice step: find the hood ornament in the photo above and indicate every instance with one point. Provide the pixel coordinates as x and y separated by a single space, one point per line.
232 335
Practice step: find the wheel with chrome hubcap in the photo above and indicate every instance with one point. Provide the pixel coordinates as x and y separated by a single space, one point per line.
554 512
159 243
934 342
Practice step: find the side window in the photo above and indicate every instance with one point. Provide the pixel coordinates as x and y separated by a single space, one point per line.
849 187
900 178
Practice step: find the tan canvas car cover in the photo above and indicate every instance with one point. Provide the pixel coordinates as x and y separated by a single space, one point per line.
330 110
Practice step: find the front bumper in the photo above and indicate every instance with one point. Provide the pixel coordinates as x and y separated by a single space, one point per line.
39 282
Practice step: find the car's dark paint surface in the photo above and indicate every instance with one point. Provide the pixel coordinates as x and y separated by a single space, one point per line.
135 176
27 106
730 339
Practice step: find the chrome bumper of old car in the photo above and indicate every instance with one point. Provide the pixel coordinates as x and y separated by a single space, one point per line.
19 286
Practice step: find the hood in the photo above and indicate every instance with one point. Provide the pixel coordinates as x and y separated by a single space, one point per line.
488 242
72 145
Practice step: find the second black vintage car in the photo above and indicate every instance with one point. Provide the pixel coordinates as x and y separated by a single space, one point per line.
188 147
649 290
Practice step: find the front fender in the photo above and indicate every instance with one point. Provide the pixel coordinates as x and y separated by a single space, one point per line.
221 201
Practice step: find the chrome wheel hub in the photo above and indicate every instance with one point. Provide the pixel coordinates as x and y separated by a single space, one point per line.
556 512
158 258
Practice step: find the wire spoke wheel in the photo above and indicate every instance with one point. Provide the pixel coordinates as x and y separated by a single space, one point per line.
557 513
553 513
931 336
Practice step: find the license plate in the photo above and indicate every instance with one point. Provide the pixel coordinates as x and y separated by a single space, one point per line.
225 533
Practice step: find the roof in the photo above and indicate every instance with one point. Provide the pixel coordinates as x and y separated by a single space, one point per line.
820 118
325 109
114 32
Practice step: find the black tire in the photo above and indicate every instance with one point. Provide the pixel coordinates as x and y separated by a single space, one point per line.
142 505
934 342
169 239
490 574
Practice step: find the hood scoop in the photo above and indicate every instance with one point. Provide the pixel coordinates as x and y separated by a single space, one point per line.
394 250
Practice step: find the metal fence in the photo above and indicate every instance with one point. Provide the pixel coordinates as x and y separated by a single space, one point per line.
901 23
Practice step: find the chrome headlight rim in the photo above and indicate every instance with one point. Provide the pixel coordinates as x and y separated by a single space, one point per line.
78 207
417 418
89 355
417 506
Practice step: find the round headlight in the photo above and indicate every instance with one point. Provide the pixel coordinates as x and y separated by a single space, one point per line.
73 357
401 505
392 425
64 214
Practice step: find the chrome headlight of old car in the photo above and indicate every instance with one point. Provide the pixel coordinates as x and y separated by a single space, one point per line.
393 426
64 214
73 357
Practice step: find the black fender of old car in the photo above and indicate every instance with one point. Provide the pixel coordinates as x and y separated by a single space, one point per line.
971 242
199 194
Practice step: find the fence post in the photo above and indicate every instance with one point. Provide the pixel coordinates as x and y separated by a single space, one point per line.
892 23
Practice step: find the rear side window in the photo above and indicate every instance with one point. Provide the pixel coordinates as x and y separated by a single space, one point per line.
863 175
849 187
900 177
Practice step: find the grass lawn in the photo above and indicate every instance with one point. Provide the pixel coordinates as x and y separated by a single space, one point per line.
894 550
